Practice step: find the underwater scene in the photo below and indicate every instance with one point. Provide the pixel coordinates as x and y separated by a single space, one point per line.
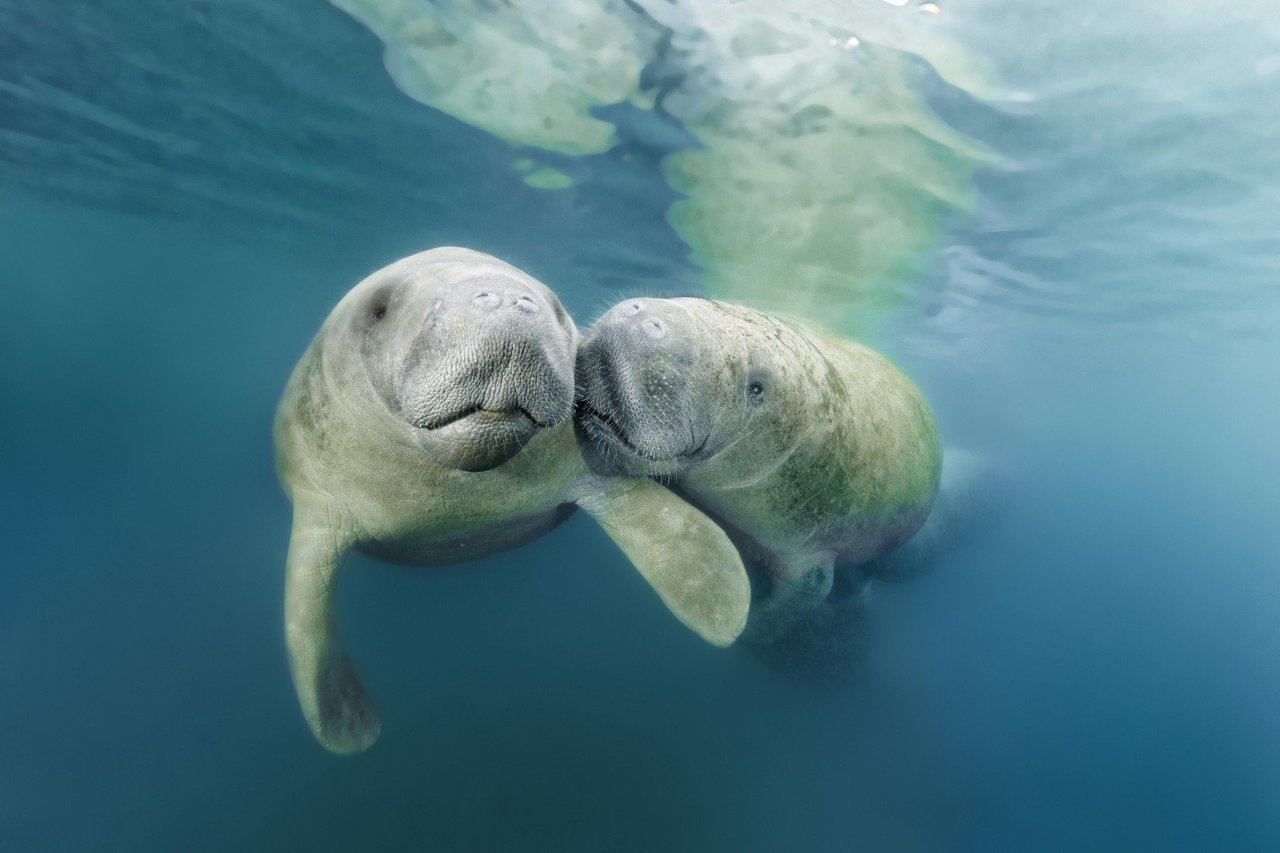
839 425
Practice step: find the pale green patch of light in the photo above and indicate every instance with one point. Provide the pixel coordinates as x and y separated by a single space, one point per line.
824 175
524 71
547 178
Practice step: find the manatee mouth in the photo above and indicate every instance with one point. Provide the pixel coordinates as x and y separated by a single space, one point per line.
480 414
479 439
601 426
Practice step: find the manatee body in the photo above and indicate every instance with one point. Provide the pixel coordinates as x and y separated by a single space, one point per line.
429 423
810 449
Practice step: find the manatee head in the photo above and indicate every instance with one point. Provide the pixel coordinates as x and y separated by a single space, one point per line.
456 351
667 384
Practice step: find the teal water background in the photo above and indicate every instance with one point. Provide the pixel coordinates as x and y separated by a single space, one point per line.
186 190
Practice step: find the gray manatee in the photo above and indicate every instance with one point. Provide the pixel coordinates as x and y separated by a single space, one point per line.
428 423
809 449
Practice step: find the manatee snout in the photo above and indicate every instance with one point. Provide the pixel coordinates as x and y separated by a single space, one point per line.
490 364
634 386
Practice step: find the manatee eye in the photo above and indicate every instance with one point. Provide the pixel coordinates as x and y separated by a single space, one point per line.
755 391
378 303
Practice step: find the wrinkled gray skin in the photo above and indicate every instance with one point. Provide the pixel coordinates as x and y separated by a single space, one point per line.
811 450
429 423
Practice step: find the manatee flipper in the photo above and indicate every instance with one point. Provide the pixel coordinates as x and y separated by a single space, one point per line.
333 700
971 493
684 555
800 586
829 641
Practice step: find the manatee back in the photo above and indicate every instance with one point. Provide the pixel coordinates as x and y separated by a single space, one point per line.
892 455
850 466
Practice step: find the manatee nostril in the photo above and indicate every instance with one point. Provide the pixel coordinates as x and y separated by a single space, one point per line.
526 304
653 328
632 309
487 299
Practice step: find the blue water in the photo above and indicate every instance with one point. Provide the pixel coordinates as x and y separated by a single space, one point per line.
186 190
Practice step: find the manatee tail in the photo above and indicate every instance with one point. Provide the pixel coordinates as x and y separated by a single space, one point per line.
971 496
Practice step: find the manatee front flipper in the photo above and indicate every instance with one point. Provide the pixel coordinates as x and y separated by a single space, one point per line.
683 554
800 586
333 700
